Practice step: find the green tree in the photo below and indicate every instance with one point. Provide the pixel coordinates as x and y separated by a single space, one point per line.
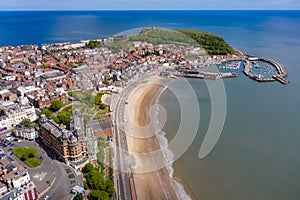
104 82
23 157
26 122
46 112
78 197
110 189
30 152
98 98
99 195
213 44
64 117
147 53
85 185
88 168
93 44
102 106
95 180
44 66
55 118
56 105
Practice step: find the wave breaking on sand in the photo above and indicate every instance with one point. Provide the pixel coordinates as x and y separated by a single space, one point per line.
169 156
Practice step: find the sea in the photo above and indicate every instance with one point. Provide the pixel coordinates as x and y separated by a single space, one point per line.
256 154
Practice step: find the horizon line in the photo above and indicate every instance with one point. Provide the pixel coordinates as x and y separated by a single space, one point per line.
149 10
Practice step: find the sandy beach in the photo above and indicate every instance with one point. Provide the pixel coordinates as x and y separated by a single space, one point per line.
152 180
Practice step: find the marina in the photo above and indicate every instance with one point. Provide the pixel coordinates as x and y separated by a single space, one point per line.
265 70
256 68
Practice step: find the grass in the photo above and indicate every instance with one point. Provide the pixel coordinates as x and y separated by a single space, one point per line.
33 162
102 116
90 105
68 109
84 97
28 156
18 152
163 36
102 144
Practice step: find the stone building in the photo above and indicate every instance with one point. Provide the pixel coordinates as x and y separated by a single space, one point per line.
68 145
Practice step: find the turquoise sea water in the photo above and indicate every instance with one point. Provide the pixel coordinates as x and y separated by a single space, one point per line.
257 155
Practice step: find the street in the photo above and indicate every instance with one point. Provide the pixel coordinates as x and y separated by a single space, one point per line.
51 178
123 165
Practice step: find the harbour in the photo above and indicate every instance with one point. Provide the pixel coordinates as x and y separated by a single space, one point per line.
252 61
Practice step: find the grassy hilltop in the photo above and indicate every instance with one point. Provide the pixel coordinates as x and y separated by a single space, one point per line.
213 44
163 36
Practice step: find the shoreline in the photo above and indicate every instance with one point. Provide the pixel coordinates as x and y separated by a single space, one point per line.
159 183
181 188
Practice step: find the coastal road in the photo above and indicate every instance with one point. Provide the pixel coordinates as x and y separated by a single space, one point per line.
61 187
124 174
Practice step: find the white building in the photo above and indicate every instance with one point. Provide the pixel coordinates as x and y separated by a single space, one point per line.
3 189
13 114
28 133
20 180
14 176
13 195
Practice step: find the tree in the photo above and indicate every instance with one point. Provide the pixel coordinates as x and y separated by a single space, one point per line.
115 78
88 168
102 106
104 82
101 188
147 53
78 197
95 180
64 117
56 105
93 44
30 152
44 66
99 195
55 118
26 122
46 112
85 185
98 98
110 189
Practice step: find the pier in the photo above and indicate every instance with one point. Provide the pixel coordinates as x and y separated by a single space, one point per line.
281 80
207 75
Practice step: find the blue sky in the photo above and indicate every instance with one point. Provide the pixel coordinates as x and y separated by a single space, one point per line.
148 4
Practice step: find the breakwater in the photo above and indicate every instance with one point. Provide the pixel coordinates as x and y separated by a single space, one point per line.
207 75
282 73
